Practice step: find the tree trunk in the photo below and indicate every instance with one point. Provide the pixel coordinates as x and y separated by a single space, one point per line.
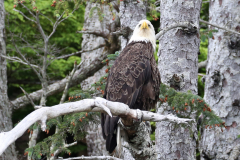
95 142
5 109
131 12
178 66
222 87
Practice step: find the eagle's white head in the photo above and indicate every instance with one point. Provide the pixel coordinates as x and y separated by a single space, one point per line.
144 32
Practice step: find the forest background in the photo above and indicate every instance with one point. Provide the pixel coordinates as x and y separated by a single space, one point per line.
65 41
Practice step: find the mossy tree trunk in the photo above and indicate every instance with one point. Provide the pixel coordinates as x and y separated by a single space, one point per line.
5 108
177 63
222 84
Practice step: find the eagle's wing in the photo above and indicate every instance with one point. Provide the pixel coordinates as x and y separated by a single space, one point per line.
130 72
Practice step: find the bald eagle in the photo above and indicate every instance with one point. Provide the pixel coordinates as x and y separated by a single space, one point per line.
134 79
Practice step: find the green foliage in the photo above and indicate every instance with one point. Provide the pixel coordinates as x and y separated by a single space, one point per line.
184 103
60 68
64 37
73 124
204 13
207 34
202 57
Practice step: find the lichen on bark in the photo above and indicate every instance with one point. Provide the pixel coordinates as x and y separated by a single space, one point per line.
222 82
177 63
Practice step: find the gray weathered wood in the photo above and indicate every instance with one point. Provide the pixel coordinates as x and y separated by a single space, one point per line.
178 66
5 108
222 85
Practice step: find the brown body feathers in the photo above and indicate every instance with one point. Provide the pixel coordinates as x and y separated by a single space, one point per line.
134 79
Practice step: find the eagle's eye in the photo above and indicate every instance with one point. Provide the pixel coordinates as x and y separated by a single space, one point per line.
139 25
149 25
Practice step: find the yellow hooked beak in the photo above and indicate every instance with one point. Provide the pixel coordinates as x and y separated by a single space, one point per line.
144 25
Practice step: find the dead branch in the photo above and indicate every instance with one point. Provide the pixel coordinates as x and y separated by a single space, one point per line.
64 95
84 72
87 105
17 59
202 64
23 57
189 26
224 28
59 150
79 52
96 33
30 100
24 15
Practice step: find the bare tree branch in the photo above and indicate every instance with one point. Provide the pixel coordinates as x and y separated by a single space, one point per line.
68 15
55 154
226 29
68 83
55 25
17 59
65 146
23 57
47 18
84 72
24 15
202 64
199 74
96 33
28 10
29 45
86 105
30 100
78 52
187 25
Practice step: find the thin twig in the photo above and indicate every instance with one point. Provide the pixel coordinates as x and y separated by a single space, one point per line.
68 83
17 59
24 15
28 10
64 95
59 150
202 64
79 52
201 75
23 57
55 25
29 45
46 18
226 29
68 15
30 100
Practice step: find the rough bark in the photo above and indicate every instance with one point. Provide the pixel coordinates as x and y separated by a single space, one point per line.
5 108
178 66
131 12
95 142
222 87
